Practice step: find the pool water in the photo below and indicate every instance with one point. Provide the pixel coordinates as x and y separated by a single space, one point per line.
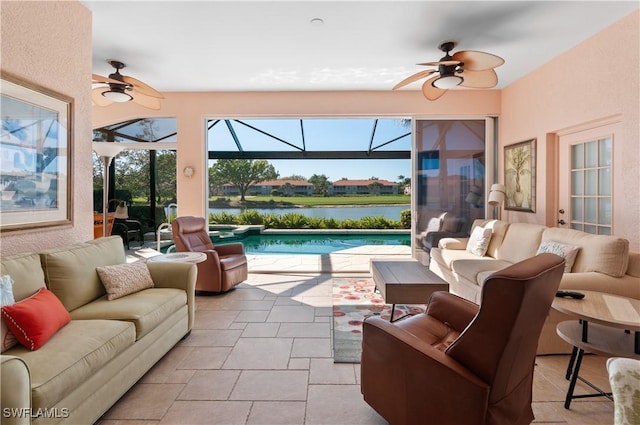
313 243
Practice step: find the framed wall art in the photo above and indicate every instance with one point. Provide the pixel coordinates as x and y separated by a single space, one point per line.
520 176
35 156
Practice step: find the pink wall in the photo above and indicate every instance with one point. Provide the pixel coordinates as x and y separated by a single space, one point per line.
40 46
597 79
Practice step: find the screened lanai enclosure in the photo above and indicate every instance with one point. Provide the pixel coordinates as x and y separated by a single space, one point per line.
448 166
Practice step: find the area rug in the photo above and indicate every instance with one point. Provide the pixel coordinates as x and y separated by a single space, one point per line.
355 299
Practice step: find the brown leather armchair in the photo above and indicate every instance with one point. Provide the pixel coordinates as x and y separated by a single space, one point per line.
225 266
460 363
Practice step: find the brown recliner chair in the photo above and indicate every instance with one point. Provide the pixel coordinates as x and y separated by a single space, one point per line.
225 266
460 363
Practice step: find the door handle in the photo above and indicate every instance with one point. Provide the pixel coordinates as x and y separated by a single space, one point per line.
561 222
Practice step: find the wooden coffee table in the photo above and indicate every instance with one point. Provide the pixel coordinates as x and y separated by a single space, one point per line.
607 325
405 282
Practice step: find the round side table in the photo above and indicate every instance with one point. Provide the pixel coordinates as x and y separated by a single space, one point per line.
184 257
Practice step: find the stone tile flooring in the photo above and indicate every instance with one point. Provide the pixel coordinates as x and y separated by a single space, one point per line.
261 354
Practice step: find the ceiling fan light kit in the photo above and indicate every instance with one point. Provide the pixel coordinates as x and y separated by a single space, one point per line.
117 96
122 88
448 82
466 68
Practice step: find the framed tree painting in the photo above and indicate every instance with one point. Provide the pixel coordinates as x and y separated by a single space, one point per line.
520 176
35 156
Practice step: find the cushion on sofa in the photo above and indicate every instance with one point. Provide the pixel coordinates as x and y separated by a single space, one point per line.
26 273
479 241
124 279
34 320
145 309
62 364
598 253
521 241
465 264
498 230
70 272
568 252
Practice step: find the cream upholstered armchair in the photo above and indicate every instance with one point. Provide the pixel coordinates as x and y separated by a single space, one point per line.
225 266
460 363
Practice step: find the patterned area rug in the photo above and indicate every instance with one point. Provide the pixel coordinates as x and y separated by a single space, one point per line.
354 299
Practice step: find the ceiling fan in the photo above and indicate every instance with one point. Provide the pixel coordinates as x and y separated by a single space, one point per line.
122 88
466 68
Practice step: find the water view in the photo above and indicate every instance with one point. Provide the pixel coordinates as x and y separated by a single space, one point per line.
390 212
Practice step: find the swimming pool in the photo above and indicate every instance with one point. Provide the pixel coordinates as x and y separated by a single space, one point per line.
312 242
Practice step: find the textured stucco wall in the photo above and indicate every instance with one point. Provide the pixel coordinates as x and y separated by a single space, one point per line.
597 79
48 43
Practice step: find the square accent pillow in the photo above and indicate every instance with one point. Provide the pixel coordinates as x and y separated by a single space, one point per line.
36 319
6 298
479 241
568 252
124 279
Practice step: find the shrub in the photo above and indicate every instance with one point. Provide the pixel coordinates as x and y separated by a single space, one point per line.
250 217
223 218
405 219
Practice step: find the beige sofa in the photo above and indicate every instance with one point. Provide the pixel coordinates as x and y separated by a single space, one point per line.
86 366
603 264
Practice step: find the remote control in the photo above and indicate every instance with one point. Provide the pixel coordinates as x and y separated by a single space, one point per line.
570 294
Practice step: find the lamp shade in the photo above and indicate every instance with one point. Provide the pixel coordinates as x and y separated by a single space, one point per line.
107 149
496 195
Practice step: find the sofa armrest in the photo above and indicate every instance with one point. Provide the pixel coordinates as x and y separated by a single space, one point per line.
453 243
625 286
176 275
15 391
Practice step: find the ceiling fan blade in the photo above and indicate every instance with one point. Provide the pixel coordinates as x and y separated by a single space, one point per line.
146 101
100 79
98 99
431 92
445 63
479 79
141 87
477 61
415 77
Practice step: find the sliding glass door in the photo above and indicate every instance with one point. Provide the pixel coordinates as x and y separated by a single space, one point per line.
450 173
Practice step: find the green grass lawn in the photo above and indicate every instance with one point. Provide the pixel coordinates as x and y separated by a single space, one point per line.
313 201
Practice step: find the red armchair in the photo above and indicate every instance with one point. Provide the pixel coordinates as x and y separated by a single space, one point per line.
459 363
225 266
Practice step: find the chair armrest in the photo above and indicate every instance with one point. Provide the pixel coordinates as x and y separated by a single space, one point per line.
230 249
451 309
399 364
176 275
15 391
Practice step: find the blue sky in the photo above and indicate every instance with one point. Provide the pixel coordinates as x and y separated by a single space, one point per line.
321 134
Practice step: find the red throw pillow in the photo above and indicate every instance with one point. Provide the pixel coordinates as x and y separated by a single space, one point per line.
36 319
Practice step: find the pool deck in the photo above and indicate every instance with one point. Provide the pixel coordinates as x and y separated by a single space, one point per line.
352 260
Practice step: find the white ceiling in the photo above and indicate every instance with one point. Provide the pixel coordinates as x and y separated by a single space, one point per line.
362 45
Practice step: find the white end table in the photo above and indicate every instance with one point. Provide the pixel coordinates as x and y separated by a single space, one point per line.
184 257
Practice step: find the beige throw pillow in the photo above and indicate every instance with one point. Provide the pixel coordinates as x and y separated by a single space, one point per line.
125 279
568 252
479 241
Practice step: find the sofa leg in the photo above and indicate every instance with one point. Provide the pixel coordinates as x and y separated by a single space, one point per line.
186 335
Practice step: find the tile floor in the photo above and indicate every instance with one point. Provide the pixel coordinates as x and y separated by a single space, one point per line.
261 354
